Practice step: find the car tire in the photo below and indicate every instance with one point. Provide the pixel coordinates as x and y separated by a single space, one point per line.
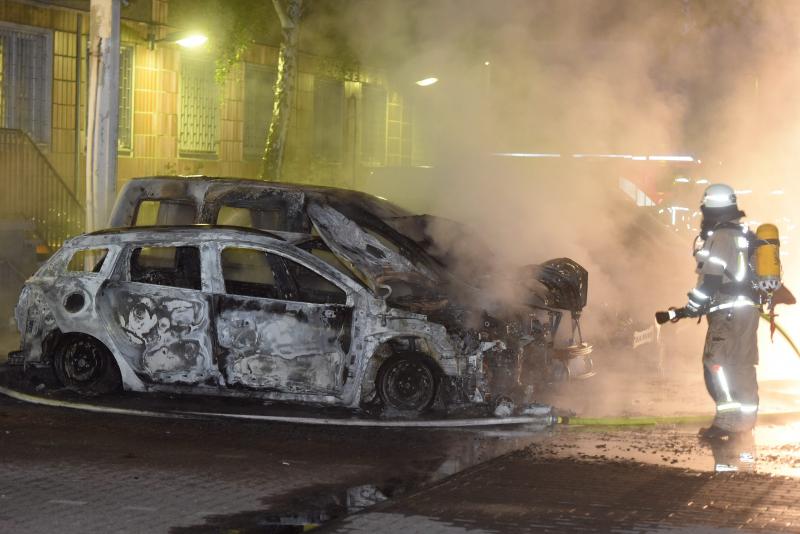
85 365
407 383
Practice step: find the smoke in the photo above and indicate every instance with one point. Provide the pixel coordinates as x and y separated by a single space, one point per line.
543 77
716 79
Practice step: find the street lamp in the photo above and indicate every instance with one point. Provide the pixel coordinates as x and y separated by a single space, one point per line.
182 39
425 82
192 41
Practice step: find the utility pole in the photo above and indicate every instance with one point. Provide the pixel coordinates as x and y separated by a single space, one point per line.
103 116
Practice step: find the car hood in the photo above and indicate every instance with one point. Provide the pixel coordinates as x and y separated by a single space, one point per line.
380 255
372 256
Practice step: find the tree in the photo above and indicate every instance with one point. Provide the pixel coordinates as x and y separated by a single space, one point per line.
289 12
237 25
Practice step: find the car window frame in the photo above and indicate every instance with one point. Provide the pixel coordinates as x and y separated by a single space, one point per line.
123 271
59 264
176 200
316 265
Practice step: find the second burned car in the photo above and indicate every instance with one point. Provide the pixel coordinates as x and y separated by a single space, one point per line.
338 309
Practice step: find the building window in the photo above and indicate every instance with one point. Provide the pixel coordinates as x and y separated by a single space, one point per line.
259 85
125 134
373 129
27 73
328 120
199 110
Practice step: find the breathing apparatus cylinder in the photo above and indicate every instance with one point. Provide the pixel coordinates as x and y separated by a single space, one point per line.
768 259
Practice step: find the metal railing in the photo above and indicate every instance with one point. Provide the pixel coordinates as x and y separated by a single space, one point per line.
33 190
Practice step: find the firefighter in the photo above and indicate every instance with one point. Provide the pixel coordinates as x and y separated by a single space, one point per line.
727 294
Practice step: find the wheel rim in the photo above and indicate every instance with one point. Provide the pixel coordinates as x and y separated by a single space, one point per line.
408 385
83 362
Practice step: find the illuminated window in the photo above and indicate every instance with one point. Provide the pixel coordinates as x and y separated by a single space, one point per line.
328 119
199 110
373 137
258 99
27 73
125 135
398 131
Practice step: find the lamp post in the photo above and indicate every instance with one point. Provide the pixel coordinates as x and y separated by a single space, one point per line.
103 116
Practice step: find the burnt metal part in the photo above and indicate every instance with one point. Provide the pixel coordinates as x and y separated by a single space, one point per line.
357 315
407 382
84 364
567 282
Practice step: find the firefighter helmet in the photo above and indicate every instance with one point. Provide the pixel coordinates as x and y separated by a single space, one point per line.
719 196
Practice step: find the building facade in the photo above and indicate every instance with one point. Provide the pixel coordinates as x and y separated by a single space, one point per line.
175 118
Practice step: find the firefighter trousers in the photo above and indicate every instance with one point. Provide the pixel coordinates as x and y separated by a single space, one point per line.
729 359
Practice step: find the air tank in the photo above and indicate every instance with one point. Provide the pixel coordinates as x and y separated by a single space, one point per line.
767 258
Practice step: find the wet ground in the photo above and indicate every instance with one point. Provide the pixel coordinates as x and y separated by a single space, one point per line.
72 471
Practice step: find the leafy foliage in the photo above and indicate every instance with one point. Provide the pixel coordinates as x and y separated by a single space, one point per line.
232 26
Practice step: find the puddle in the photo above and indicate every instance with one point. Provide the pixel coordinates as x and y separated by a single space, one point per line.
309 507
301 513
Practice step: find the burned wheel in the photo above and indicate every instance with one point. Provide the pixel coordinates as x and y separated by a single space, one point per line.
406 382
85 365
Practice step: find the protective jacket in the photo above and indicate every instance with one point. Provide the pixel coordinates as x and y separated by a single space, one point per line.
726 293
725 279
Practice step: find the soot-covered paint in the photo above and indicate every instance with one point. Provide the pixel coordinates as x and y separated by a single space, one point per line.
166 330
286 346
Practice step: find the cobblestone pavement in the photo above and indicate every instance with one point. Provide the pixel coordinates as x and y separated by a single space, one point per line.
69 471
530 492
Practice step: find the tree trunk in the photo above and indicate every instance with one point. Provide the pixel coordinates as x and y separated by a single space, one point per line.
272 162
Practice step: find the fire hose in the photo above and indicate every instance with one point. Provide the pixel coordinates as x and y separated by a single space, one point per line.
673 315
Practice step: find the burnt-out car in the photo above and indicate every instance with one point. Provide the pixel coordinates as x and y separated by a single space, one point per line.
335 306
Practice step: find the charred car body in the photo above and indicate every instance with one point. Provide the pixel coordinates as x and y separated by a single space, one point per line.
313 296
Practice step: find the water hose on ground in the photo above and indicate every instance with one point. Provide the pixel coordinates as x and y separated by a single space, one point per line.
572 421
763 418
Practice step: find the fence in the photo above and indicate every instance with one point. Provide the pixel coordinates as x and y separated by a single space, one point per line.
33 190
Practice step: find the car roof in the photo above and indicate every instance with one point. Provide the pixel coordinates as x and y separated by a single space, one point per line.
204 183
196 232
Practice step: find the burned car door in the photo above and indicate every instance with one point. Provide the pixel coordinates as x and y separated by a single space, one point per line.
280 325
159 314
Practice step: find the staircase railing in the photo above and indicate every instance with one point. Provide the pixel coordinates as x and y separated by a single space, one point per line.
33 190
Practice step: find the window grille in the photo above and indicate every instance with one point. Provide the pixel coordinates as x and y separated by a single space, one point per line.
373 129
2 91
199 111
125 134
27 73
259 86
328 119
